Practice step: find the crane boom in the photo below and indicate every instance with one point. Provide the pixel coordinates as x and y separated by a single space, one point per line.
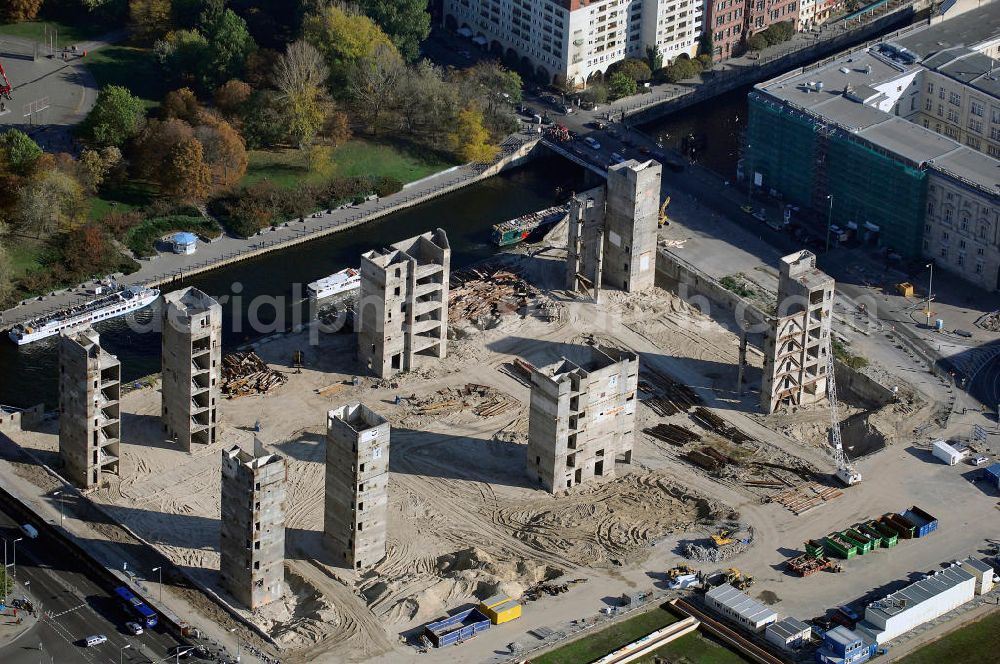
846 472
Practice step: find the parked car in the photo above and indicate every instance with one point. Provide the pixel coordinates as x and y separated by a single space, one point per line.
616 158
591 143
134 628
979 460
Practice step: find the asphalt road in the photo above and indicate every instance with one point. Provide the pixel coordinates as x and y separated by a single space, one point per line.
72 606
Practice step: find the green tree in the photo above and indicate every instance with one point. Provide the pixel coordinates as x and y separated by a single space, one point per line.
621 85
427 104
596 93
94 166
342 37
117 116
707 45
470 140
19 151
757 42
407 22
230 44
185 56
634 68
6 283
654 58
265 123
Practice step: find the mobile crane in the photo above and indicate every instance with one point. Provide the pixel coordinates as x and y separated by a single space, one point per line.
846 472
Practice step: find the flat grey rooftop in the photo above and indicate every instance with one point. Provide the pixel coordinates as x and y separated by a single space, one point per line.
972 165
966 29
908 139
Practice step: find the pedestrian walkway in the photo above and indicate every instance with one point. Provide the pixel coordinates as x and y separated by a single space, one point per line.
15 618
167 268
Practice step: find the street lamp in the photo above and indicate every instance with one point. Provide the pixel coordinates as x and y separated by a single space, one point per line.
930 289
14 555
60 494
238 644
180 651
121 652
160 570
829 220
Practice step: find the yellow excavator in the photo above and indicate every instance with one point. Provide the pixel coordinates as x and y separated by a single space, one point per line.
680 570
663 213
737 579
723 537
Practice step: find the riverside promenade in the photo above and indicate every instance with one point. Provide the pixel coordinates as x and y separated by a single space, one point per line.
167 268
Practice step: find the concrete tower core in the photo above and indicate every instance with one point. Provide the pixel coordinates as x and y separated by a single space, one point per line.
404 303
796 346
612 231
357 485
89 424
191 365
582 417
252 533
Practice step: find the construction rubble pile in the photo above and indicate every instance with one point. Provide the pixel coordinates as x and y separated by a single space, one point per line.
730 539
245 373
484 294
990 322
484 401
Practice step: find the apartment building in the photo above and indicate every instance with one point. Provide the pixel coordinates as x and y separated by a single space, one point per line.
574 41
732 22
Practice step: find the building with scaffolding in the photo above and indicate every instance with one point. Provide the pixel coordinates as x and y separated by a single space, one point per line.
796 346
89 421
894 146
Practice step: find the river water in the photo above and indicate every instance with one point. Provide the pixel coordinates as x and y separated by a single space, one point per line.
28 374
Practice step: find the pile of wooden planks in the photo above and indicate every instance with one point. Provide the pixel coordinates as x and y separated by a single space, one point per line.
245 373
486 292
673 434
804 498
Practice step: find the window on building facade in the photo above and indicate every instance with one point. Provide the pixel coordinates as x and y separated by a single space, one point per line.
976 108
928 105
976 125
961 260
955 98
979 268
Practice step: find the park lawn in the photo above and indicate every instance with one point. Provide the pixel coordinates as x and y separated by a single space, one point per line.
129 67
66 34
977 643
696 649
596 645
289 167
25 256
131 195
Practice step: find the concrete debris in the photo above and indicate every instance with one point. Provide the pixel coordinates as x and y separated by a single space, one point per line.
245 373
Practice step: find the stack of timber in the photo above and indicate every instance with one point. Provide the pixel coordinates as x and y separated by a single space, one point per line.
484 401
673 434
486 292
709 458
245 374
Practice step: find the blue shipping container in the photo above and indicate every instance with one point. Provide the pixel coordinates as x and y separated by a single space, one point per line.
461 626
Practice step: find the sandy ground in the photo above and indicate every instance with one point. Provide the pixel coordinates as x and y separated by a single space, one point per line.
464 520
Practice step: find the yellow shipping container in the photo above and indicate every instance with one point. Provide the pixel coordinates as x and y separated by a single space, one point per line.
500 609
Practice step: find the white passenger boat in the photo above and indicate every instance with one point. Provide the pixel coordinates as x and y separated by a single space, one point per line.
110 304
346 280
